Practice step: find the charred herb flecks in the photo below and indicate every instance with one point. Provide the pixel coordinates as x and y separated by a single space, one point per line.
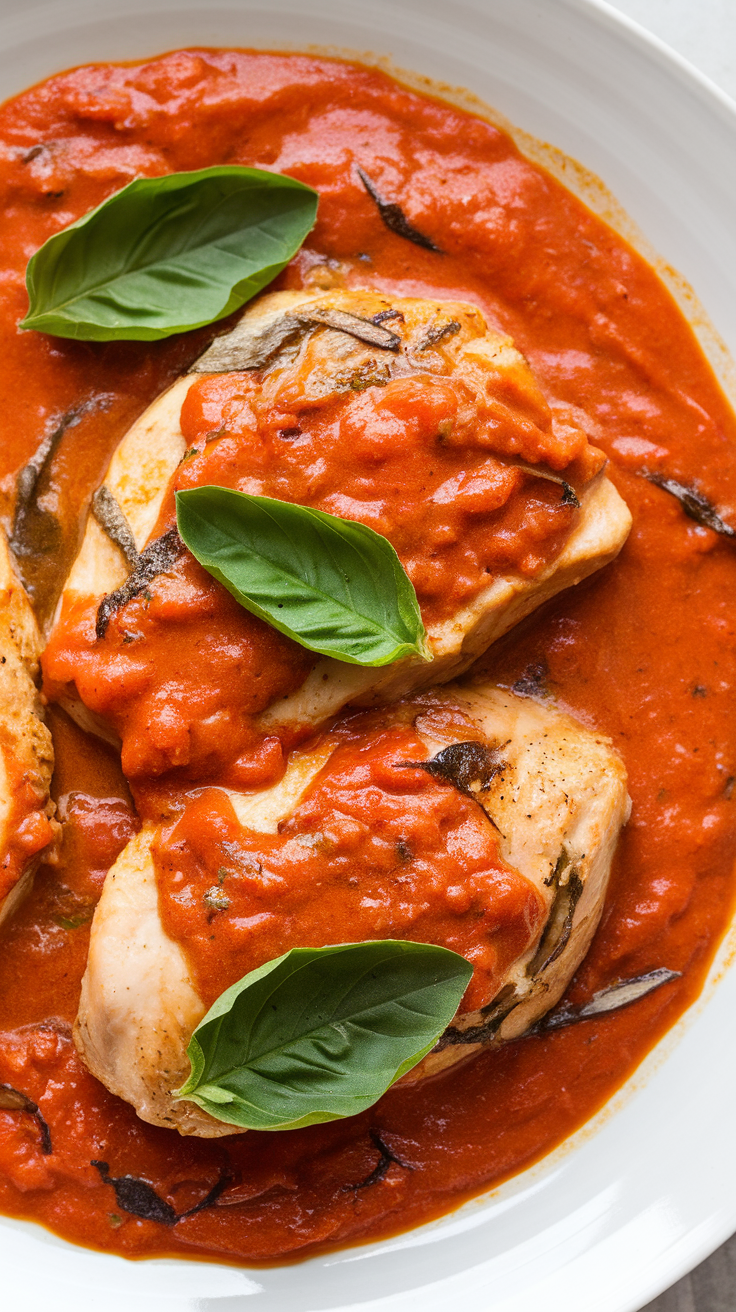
253 343
157 558
613 998
12 1100
139 1198
463 765
394 218
110 517
386 1159
694 503
532 682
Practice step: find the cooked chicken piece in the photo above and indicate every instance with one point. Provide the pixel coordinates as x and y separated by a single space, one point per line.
558 798
308 346
26 751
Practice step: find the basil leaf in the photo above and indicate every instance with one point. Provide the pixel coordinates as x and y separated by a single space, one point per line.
168 254
322 1033
331 584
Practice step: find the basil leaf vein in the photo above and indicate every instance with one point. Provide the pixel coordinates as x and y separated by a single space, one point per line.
168 254
331 584
322 1033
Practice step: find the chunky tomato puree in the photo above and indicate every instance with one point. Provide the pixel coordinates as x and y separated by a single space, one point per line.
180 674
426 458
375 847
414 459
643 651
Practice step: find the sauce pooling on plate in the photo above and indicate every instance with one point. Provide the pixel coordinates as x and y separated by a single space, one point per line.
644 651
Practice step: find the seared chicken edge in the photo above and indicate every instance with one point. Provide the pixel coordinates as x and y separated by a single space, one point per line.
147 458
559 805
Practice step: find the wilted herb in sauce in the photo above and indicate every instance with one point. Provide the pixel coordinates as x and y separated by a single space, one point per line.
157 558
614 998
569 888
139 1198
494 1014
618 995
366 330
559 926
463 765
386 1159
252 344
694 503
37 537
532 682
110 517
394 218
438 334
12 1100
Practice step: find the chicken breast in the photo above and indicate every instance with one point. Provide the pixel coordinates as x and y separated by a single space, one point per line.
305 347
26 751
556 794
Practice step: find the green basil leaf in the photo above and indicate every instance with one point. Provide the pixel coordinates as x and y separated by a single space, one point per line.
331 584
322 1033
168 254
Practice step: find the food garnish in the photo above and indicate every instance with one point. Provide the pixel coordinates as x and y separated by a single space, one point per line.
386 1159
168 254
470 767
618 995
322 1033
138 1197
12 1100
37 537
109 516
253 346
420 416
330 584
394 217
694 503
157 557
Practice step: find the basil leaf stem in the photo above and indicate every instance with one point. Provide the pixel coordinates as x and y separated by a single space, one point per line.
331 584
321 1033
168 254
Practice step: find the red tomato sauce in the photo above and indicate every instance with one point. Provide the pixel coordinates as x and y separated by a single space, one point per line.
374 847
456 516
644 651
145 678
416 458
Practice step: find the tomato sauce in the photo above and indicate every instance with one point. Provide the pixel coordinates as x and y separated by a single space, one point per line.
375 847
644 651
145 678
415 457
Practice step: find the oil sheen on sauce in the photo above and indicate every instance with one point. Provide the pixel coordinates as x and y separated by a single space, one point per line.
645 651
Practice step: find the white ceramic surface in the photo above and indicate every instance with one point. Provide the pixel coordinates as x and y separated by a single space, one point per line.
705 33
646 1191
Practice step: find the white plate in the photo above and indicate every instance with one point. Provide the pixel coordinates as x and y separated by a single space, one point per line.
647 1190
